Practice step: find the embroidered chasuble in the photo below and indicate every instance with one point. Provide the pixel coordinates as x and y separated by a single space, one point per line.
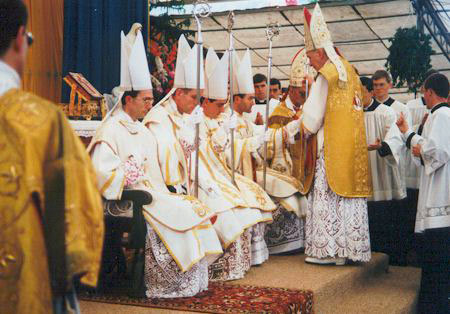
337 219
51 216
344 140
120 144
298 160
215 190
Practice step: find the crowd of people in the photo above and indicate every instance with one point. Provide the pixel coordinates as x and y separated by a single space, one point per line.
345 163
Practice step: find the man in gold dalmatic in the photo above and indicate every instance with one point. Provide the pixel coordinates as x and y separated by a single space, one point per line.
51 217
336 226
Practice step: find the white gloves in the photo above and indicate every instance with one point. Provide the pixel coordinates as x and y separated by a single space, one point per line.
231 123
197 115
293 127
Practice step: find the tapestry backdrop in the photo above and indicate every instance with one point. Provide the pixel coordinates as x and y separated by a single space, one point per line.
92 38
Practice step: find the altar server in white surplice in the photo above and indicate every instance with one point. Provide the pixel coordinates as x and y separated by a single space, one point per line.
419 112
385 150
431 150
403 212
385 146
123 151
173 125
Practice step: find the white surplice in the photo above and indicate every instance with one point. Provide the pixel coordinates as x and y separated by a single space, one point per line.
181 222
433 209
400 108
387 182
336 226
417 109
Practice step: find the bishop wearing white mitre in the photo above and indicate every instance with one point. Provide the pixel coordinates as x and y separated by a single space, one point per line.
336 221
249 139
123 151
173 119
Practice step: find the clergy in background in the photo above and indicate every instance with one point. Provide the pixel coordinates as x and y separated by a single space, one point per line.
419 112
337 226
403 212
124 153
385 151
275 89
51 216
431 150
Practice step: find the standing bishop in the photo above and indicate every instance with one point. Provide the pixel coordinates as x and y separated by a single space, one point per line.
179 232
337 225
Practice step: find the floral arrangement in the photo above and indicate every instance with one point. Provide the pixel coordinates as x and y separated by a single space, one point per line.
163 38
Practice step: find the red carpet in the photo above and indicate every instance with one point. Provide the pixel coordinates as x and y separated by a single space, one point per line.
225 298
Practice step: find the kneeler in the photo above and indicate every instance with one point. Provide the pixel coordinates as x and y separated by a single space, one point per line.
123 216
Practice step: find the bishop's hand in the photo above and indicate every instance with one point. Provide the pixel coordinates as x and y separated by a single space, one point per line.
374 146
416 150
402 123
259 119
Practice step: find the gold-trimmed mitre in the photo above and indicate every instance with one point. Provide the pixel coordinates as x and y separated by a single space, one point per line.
318 36
300 68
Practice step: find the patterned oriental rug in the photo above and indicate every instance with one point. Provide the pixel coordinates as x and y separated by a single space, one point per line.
225 298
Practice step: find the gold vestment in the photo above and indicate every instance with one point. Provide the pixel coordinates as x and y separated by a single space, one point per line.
303 154
51 217
346 156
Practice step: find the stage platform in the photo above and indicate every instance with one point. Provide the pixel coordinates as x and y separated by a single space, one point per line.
373 287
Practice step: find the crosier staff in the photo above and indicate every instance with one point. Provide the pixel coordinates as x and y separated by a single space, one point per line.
201 9
230 62
272 30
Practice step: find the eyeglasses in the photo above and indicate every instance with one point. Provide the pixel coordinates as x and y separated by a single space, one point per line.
147 101
30 38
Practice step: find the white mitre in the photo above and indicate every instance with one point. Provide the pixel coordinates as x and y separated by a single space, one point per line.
242 74
318 36
216 75
186 66
134 71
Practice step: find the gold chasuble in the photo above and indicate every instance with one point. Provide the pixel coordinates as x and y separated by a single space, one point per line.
346 156
51 218
303 154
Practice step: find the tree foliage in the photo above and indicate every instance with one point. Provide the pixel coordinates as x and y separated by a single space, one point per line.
409 58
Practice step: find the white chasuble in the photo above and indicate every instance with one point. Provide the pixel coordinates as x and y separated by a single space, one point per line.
170 129
124 156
